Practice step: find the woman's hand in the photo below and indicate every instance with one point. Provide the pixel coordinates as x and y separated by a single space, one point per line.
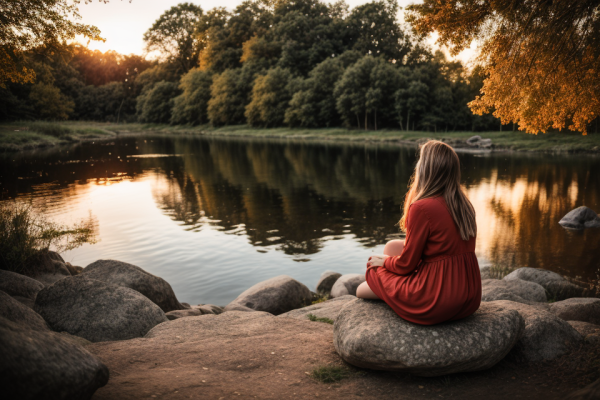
376 261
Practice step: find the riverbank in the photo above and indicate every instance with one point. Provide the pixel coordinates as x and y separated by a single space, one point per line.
112 330
28 135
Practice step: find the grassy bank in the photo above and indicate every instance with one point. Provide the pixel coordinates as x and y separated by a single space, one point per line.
29 135
17 136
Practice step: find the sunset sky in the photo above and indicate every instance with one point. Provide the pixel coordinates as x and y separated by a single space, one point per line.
123 23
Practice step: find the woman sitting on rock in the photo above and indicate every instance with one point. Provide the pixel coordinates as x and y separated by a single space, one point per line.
433 275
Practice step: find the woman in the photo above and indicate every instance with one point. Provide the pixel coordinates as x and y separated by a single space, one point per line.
432 276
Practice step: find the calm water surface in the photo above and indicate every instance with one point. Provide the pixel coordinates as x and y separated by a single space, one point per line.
215 216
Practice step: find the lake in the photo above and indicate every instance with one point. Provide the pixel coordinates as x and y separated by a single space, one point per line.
213 216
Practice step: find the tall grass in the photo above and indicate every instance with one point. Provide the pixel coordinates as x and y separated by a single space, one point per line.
25 232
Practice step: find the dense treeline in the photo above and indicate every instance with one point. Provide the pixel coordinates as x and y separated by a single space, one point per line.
299 63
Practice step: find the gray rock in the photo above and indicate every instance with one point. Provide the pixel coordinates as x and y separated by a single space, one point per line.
477 141
326 282
127 275
347 284
276 296
19 285
546 336
25 301
584 309
97 311
580 218
74 269
41 365
209 309
485 272
585 328
20 314
47 267
514 290
590 392
327 309
557 287
193 312
369 334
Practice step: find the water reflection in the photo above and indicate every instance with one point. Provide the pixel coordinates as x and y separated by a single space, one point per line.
296 197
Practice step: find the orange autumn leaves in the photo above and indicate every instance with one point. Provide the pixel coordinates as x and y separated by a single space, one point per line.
542 59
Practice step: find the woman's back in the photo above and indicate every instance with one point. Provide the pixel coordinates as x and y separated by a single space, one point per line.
436 278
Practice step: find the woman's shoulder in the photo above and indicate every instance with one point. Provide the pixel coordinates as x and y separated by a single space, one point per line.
430 202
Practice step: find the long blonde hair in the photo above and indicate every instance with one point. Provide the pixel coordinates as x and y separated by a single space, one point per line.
438 174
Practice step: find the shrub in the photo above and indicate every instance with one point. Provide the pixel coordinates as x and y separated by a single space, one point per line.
24 233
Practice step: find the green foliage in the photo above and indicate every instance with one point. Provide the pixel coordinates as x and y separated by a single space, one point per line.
24 233
367 88
49 103
172 35
27 24
230 94
156 104
313 317
330 373
190 107
375 30
270 97
315 104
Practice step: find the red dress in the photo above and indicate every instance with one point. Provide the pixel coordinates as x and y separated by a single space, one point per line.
436 278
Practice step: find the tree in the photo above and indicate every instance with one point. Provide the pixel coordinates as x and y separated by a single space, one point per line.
49 102
411 100
156 104
315 104
230 93
173 35
541 58
270 97
26 24
374 30
366 87
190 106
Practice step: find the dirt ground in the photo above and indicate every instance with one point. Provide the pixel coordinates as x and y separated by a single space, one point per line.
253 355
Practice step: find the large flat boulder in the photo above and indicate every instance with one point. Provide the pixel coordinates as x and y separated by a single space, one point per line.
580 218
19 285
584 309
41 365
20 314
128 275
347 284
546 336
326 309
276 296
557 287
326 282
369 334
97 311
514 290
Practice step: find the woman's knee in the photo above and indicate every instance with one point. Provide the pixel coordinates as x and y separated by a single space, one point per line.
393 248
364 292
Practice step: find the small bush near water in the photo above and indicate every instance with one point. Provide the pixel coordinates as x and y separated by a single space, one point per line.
24 233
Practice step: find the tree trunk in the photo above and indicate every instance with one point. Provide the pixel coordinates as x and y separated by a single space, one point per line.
407 120
500 126
357 121
366 119
375 119
119 113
